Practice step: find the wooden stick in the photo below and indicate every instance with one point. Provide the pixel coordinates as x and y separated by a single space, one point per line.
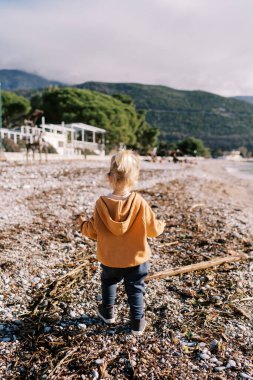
239 311
199 266
242 299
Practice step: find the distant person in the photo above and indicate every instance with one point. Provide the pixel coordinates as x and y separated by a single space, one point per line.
121 223
175 159
154 154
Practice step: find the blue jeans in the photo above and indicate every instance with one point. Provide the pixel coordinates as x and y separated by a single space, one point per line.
134 286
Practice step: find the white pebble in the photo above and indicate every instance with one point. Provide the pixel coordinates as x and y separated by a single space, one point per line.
246 376
72 313
204 356
82 326
36 279
95 374
219 369
99 361
231 364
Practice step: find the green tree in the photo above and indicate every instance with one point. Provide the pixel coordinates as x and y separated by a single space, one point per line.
193 147
14 108
146 136
117 115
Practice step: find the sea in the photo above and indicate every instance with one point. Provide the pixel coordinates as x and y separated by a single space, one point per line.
241 169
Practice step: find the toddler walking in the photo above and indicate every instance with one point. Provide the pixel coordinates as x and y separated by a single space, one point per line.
121 223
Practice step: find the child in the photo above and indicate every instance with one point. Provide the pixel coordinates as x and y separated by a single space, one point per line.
121 223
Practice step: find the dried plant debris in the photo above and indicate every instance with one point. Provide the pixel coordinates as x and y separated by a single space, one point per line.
199 322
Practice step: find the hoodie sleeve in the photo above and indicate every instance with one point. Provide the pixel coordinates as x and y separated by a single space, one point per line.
88 229
154 227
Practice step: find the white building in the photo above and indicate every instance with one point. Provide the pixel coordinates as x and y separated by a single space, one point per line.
67 139
234 155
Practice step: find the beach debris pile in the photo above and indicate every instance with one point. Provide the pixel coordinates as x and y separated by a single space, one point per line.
199 322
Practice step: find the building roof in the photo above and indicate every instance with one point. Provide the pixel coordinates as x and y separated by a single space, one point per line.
85 127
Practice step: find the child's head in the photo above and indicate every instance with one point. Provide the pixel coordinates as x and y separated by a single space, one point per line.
124 170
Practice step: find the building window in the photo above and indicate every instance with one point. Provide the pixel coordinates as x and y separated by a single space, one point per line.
60 144
69 137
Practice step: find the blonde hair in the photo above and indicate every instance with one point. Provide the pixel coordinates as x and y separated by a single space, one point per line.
125 167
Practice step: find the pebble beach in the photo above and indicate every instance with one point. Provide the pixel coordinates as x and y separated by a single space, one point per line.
199 323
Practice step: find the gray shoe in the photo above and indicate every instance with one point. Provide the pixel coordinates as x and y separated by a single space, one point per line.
106 313
138 326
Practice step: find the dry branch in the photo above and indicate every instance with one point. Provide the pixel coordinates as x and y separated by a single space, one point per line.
239 311
243 299
199 266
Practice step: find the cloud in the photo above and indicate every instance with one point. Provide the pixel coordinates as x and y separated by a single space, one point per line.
188 44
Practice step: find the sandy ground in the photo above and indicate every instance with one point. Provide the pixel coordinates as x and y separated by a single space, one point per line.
209 211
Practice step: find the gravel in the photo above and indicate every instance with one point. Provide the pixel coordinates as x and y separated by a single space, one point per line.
193 331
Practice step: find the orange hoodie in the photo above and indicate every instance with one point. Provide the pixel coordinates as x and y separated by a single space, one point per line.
121 228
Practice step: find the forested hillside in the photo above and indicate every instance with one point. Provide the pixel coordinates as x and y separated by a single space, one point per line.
220 122
225 123
116 114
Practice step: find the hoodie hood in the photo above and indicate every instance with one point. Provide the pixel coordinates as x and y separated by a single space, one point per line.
118 215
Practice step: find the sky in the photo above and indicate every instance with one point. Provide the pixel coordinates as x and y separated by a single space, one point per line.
185 44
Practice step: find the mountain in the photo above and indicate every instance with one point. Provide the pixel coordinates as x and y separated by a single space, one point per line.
220 122
248 99
13 80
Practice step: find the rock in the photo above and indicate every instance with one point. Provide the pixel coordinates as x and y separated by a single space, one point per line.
47 329
72 313
95 374
5 339
156 350
214 344
82 326
231 364
244 375
99 297
35 280
204 356
214 360
2 327
99 361
219 369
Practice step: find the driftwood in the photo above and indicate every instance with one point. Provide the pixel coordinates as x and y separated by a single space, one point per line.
239 311
243 299
199 266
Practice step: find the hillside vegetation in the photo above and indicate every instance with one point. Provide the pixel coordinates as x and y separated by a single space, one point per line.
117 115
13 80
247 99
220 122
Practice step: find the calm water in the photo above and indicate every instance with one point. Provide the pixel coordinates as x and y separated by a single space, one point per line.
243 168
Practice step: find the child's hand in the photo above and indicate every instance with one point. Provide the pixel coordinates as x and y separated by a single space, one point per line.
79 219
